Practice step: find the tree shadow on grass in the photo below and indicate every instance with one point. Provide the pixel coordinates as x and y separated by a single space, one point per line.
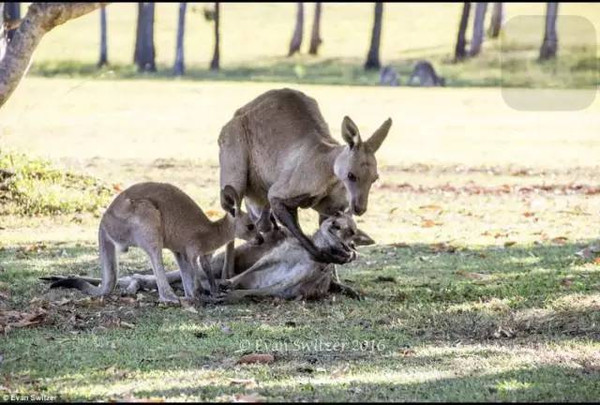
544 383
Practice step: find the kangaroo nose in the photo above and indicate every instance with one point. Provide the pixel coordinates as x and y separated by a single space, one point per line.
259 240
359 210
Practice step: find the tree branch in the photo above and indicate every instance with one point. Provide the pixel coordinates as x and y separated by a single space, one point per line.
40 18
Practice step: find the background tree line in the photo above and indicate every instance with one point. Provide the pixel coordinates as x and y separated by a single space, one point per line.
145 53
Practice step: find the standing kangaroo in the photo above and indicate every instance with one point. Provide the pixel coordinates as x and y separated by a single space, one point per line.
425 73
154 216
277 152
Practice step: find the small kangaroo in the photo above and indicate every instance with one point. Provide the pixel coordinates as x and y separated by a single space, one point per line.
389 77
277 152
154 216
425 73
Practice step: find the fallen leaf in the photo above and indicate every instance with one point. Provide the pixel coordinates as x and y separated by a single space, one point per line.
62 302
127 300
118 187
407 352
428 223
473 276
253 397
597 260
560 240
400 245
528 214
259 358
432 207
127 325
247 383
442 247
509 243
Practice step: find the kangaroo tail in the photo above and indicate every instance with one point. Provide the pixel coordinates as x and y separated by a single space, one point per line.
108 262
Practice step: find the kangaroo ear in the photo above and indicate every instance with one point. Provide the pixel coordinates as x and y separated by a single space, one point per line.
230 200
350 132
378 136
362 239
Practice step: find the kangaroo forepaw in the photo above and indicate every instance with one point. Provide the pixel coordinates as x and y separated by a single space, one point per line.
224 286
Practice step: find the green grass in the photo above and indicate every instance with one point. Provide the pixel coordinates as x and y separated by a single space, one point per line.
33 187
507 313
255 39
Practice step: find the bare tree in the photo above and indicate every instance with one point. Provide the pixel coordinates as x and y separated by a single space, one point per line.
550 44
315 37
3 34
460 51
179 66
144 55
40 18
12 13
214 63
373 55
480 10
497 20
298 31
103 45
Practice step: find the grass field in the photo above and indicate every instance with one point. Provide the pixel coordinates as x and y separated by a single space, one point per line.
255 40
473 292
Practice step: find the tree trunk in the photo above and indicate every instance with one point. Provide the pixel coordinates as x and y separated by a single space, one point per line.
315 38
179 66
103 45
214 63
550 44
480 10
460 51
12 12
138 35
298 31
497 20
40 18
144 45
3 36
373 55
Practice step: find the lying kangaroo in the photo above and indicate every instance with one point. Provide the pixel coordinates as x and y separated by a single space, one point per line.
425 73
154 216
279 267
289 271
277 152
389 77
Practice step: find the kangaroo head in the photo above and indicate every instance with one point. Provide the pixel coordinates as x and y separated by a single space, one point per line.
356 165
340 228
343 227
244 226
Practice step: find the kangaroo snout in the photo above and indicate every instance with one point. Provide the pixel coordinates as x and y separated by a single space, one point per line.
259 240
358 209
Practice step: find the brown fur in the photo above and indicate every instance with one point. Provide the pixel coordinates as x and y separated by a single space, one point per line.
277 152
156 216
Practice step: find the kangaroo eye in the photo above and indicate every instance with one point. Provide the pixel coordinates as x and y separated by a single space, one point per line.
250 227
351 177
335 226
